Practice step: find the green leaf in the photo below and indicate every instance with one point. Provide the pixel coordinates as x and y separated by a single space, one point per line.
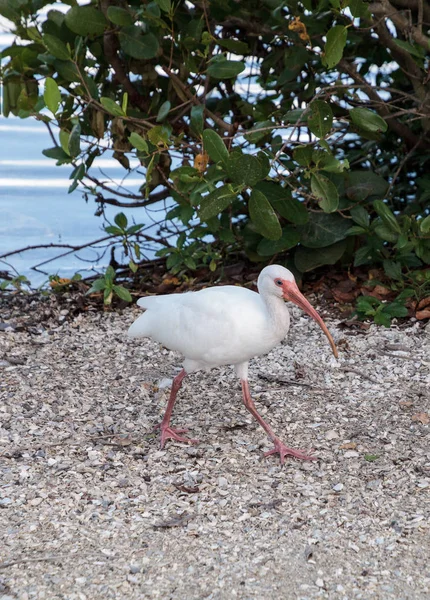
259 131
56 153
363 256
163 111
134 229
320 119
120 16
393 269
77 176
64 140
304 155
190 263
138 142
385 233
52 95
415 50
112 107
122 293
356 230
395 309
280 198
371 457
110 274
112 230
138 44
245 169
165 5
360 216
425 225
74 143
387 216
327 162
235 46
196 122
358 8
56 47
333 49
381 317
107 296
221 68
263 216
121 220
363 185
159 135
85 20
290 238
215 202
306 259
67 70
215 147
298 115
326 192
368 120
323 229
97 286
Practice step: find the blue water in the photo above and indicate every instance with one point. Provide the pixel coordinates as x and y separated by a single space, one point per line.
35 207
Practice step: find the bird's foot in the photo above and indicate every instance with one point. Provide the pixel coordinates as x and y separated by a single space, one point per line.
169 432
283 451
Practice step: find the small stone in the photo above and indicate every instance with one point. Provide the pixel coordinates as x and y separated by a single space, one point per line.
320 583
351 454
108 421
373 484
36 501
331 435
338 487
134 569
5 502
423 484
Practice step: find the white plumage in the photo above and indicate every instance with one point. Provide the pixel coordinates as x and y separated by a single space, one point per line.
224 325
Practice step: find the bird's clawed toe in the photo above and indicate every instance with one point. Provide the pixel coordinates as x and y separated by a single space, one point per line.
170 432
283 451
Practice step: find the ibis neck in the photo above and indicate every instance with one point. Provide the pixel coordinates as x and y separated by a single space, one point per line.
278 313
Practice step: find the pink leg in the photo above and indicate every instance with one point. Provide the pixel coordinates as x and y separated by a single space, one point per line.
167 431
280 448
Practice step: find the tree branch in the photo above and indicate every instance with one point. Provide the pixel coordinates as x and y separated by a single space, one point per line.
194 99
385 9
399 128
154 198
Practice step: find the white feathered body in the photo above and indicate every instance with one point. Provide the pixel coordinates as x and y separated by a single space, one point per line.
215 326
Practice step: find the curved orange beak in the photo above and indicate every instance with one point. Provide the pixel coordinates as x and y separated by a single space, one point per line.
292 293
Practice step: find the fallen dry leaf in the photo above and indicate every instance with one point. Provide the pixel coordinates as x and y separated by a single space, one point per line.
187 490
348 446
424 303
423 314
421 417
176 521
406 404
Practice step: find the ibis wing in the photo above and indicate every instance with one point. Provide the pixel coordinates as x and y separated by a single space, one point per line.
214 326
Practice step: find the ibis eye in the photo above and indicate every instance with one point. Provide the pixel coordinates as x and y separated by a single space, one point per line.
278 282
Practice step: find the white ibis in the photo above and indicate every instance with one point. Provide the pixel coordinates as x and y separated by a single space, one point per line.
225 325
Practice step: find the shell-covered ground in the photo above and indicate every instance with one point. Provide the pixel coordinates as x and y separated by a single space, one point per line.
91 508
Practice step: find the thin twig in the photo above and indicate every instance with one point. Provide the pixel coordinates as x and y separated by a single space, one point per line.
24 559
358 372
